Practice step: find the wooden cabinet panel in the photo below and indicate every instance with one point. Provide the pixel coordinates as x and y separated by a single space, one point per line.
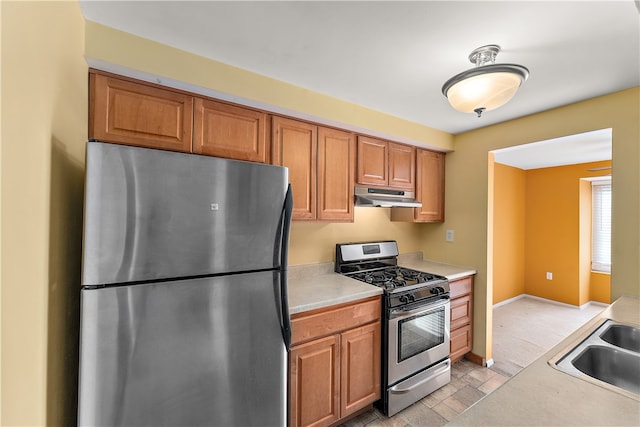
322 322
360 383
460 342
373 157
460 311
224 130
314 375
461 317
429 186
131 113
321 164
336 165
461 287
294 145
402 161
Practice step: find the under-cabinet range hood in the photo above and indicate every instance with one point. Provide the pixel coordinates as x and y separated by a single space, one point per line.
379 197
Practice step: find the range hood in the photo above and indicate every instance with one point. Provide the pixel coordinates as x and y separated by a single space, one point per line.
379 197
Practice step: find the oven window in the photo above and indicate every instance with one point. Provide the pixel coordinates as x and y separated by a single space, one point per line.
420 333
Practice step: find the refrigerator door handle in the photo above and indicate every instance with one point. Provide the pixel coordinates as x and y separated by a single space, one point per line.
284 253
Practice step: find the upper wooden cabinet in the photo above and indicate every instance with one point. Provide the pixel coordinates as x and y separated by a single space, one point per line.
132 113
402 164
385 164
430 186
295 145
336 171
224 130
373 161
429 189
321 164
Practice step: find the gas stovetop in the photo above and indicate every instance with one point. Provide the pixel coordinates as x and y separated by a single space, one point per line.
396 278
376 263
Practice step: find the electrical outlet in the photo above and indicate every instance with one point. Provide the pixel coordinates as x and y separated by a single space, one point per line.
450 235
549 275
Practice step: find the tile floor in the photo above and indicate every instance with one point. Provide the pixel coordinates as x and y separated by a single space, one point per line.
523 330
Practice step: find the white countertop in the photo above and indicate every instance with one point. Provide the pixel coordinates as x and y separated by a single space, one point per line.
317 286
540 395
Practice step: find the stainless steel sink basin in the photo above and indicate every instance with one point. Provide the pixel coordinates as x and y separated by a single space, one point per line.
613 366
608 356
624 336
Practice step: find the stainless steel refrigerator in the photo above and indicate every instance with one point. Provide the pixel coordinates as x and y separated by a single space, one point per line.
184 318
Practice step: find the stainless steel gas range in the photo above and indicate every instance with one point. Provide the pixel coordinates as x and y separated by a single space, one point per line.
416 318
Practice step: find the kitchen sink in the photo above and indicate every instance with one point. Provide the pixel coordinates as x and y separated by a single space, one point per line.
624 336
608 356
610 365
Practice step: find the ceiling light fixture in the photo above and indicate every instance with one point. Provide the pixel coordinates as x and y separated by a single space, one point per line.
486 87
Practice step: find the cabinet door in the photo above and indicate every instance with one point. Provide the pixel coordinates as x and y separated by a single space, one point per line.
314 375
131 113
224 130
460 342
360 360
336 166
430 186
402 160
294 145
373 157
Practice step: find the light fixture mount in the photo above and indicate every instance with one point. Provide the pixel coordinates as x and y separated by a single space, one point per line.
487 86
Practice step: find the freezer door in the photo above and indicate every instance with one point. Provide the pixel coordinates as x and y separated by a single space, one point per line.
152 214
205 352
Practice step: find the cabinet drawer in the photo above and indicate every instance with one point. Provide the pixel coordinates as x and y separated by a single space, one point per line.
461 287
319 323
460 311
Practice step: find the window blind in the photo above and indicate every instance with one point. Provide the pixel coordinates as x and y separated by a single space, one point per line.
601 226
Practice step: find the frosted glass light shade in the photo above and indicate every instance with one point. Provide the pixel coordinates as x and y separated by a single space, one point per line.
484 88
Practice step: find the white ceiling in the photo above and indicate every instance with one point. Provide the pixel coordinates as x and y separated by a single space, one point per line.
394 56
573 149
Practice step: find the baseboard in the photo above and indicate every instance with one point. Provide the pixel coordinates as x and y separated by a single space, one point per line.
510 300
474 358
550 301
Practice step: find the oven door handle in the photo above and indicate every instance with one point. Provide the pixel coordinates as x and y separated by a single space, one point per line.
422 309
444 365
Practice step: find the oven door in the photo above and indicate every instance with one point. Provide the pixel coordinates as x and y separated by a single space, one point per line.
418 338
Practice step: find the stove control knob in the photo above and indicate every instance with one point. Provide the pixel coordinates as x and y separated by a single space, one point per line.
407 298
434 291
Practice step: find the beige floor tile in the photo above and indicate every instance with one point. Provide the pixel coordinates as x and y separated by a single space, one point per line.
445 411
493 383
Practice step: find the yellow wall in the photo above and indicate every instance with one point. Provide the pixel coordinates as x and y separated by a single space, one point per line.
600 287
553 233
467 178
508 232
44 130
314 242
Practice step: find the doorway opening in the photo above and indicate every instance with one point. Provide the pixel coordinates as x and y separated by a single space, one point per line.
539 241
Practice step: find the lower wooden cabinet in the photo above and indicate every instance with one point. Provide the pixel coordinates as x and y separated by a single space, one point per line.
461 317
334 362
